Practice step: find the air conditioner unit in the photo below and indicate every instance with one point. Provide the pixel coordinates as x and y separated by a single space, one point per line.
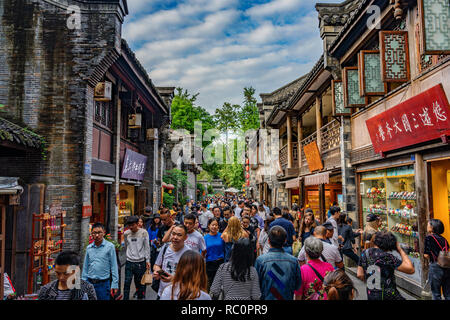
134 120
103 91
152 134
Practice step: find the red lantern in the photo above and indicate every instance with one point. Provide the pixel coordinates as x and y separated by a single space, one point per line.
247 161
247 168
248 183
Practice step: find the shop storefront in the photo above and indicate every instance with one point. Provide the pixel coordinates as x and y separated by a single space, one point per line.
409 182
131 199
390 193
440 187
321 191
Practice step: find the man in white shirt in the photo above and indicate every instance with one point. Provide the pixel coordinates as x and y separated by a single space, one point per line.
330 253
194 240
203 216
239 209
335 213
169 256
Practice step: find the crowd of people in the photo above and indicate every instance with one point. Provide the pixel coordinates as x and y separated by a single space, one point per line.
234 248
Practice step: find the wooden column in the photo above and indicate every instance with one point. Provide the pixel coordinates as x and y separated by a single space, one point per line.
421 209
299 141
323 214
319 122
289 142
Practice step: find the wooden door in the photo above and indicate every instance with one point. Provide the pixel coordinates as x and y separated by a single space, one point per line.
141 201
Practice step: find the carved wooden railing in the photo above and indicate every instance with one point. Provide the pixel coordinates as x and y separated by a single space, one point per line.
331 136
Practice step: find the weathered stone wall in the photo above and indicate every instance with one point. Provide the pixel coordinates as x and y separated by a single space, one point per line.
46 76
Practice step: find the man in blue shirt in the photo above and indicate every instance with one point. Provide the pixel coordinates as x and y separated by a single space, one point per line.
100 263
287 226
278 272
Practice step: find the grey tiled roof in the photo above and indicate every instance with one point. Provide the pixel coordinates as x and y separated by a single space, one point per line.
283 93
336 14
16 134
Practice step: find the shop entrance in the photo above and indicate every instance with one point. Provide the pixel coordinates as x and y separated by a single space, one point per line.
440 179
332 193
99 195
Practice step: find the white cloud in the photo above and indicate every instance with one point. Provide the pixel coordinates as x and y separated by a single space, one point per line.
207 46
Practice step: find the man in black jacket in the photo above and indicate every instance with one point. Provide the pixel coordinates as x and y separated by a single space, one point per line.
69 285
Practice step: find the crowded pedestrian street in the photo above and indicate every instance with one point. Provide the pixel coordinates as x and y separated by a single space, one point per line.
255 157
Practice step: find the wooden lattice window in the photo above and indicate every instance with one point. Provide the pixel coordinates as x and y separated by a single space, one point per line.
370 80
435 17
103 113
337 92
394 56
352 97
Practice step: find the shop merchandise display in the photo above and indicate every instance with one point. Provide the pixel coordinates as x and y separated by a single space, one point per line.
391 195
47 241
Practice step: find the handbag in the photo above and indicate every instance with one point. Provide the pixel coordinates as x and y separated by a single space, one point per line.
147 278
296 247
156 283
443 259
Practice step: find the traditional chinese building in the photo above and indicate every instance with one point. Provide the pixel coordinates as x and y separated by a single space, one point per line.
82 92
395 85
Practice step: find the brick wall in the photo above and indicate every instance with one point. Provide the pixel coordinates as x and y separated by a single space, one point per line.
46 75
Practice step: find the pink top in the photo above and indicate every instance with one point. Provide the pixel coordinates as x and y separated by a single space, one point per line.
309 290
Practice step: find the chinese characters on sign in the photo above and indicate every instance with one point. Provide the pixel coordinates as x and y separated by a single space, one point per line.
422 118
134 165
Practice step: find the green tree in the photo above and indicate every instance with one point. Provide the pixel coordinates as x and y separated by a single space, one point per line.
185 112
249 113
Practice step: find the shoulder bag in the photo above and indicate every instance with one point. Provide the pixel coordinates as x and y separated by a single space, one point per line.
443 259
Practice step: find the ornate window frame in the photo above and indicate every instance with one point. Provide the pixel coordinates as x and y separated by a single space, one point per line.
346 98
384 65
362 74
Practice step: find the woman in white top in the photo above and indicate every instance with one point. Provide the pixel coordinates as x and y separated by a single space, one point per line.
190 281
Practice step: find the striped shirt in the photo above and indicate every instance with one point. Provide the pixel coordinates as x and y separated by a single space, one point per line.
235 290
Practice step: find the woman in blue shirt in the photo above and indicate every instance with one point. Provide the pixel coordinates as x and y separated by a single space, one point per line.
215 249
153 237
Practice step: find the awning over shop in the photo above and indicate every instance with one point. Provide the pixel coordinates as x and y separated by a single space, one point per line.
293 184
10 185
316 179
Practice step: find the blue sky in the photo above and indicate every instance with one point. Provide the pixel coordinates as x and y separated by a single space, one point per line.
218 47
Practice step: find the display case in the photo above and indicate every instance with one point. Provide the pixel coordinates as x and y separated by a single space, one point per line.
390 194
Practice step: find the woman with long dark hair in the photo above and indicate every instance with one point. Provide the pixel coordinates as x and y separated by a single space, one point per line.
307 225
380 264
152 230
237 279
215 249
190 281
438 277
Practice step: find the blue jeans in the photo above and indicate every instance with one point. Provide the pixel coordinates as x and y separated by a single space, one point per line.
102 290
439 278
288 250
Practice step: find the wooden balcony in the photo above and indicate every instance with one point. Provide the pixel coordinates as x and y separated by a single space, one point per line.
330 147
284 156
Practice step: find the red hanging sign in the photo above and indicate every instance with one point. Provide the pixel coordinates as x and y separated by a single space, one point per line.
422 118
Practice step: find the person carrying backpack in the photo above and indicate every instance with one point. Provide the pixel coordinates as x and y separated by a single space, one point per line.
438 273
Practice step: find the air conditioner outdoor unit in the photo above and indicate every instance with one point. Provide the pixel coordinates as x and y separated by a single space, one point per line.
103 91
134 120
